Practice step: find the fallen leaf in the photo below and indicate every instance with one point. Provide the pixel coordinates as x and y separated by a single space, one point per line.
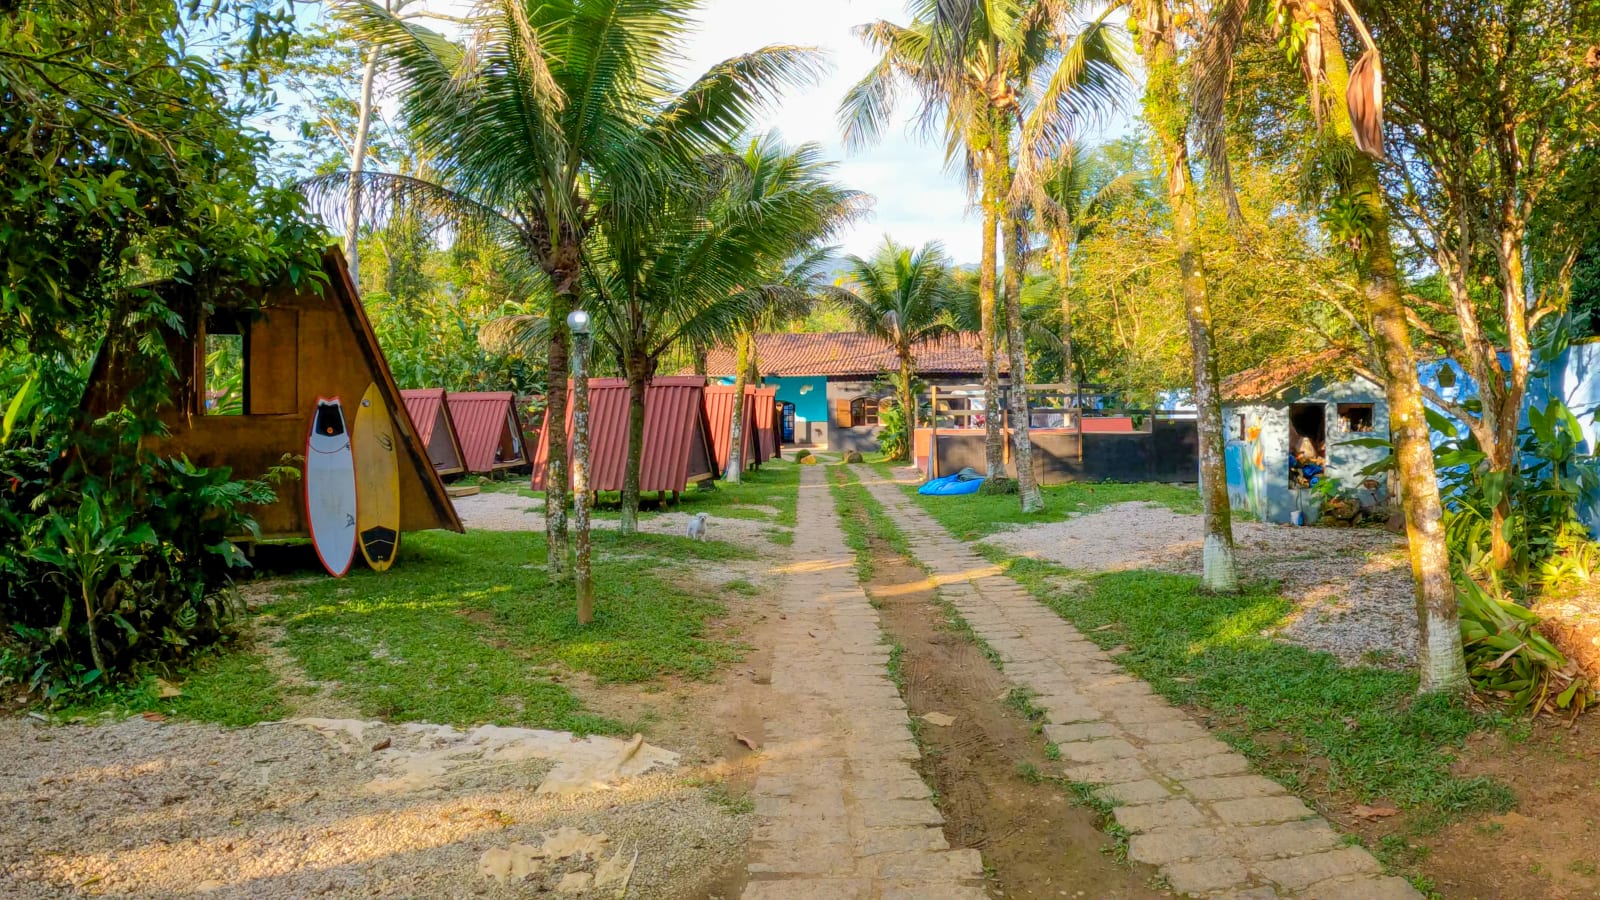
1106 627
938 718
154 716
384 744
1373 812
166 690
748 742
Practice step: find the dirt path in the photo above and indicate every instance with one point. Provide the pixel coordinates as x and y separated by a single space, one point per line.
988 763
1189 800
840 811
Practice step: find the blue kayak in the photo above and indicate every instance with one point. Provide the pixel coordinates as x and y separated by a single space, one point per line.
950 485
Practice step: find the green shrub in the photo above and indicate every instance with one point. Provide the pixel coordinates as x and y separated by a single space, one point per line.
1509 659
122 559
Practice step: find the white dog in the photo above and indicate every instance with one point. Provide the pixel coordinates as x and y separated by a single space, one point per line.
697 526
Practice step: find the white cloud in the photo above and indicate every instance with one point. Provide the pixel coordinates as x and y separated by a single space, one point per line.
916 199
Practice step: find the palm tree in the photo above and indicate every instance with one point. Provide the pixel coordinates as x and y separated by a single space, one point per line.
548 99
703 260
1165 112
903 296
1068 205
1011 84
786 293
1357 138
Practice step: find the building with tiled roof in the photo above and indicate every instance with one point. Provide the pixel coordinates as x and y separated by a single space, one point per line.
825 381
850 354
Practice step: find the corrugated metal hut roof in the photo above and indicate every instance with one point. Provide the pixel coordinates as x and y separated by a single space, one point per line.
677 449
490 430
436 428
719 412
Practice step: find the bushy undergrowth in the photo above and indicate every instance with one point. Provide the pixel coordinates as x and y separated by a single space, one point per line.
119 560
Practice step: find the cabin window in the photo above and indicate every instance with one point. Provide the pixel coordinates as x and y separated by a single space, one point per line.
1243 429
841 413
1356 418
863 411
222 381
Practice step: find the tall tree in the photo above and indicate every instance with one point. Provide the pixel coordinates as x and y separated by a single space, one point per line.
1347 106
702 259
549 98
1068 204
787 292
1011 83
1488 115
903 296
1168 117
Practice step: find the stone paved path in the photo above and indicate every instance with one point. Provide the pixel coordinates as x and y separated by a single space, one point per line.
1189 801
840 811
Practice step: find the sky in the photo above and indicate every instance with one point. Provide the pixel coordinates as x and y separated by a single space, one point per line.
915 198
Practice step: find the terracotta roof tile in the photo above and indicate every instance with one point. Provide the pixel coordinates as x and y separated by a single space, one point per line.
1274 378
846 353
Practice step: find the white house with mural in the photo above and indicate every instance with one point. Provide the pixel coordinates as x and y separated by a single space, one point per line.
1294 425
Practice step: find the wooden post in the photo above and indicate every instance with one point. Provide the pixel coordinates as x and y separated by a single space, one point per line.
933 432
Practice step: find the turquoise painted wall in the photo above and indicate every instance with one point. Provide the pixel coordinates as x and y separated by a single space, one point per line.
811 405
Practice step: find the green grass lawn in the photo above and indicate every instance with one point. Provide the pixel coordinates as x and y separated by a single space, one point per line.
973 516
467 629
775 484
1357 733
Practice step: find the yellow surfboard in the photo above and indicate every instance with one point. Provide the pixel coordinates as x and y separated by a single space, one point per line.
377 459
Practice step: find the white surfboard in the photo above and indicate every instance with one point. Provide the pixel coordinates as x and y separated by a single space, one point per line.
331 487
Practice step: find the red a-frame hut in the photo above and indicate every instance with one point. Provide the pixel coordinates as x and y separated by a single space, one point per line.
677 441
437 429
490 430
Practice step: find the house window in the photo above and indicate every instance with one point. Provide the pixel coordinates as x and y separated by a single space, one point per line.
222 377
1243 429
863 411
1356 418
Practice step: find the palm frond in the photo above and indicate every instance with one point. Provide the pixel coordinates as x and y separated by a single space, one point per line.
1213 78
385 194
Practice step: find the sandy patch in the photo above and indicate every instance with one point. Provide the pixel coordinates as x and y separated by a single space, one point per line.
1351 586
510 512
170 809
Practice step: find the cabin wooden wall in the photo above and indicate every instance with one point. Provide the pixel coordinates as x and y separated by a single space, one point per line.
302 347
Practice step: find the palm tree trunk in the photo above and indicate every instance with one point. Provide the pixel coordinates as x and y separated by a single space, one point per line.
700 358
1022 440
908 400
1165 111
638 371
562 267
741 374
1064 284
993 416
582 573
1441 664
358 159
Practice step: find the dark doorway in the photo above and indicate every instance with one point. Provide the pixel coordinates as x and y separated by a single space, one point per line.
1308 443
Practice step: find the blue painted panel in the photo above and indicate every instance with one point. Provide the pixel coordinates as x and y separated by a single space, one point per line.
809 394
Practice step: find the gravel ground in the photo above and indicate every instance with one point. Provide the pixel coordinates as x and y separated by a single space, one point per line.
155 809
510 512
1351 586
